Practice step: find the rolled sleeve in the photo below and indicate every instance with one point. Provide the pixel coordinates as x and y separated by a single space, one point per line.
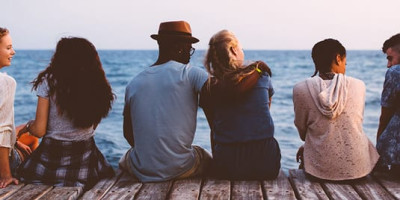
7 129
197 77
6 139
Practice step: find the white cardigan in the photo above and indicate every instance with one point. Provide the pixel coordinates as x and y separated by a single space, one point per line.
7 127
329 116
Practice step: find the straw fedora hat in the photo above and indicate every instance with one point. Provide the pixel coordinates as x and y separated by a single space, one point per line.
175 30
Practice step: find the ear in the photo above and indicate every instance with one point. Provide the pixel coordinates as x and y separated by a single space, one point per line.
338 59
233 50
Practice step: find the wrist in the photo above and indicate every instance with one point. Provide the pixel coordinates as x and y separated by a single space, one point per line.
28 126
259 70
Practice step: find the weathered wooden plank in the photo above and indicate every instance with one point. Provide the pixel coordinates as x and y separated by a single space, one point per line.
185 189
60 193
9 190
304 188
340 191
246 190
100 189
154 190
31 191
279 188
215 189
125 188
391 183
369 189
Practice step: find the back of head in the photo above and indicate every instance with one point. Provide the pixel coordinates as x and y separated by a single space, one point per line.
3 32
175 41
74 57
219 60
392 42
324 53
76 77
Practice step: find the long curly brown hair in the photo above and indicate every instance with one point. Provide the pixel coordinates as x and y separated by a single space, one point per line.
77 81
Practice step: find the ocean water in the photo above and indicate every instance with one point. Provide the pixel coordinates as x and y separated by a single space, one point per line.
288 68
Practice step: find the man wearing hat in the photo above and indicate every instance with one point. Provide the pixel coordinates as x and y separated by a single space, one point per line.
161 109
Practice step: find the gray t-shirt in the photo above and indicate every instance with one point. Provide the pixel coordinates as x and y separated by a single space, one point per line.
60 127
163 102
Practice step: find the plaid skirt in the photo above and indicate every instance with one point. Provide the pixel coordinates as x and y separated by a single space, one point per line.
65 163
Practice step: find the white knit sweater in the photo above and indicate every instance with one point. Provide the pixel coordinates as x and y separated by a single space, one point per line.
7 127
329 115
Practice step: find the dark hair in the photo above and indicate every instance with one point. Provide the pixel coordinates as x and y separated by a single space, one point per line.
392 42
324 52
77 81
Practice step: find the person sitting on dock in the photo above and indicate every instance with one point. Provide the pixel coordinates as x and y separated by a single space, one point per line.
329 112
161 109
242 129
73 96
13 150
388 135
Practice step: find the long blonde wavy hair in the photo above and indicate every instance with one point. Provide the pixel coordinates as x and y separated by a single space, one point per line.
220 62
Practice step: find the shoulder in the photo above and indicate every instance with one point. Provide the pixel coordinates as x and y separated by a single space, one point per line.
356 86
7 80
302 85
355 81
394 71
196 70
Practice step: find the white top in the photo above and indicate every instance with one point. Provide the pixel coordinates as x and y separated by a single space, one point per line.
7 127
329 114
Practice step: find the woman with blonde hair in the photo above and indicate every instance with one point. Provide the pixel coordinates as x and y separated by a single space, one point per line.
242 130
12 151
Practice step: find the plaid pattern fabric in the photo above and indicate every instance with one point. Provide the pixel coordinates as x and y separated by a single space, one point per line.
65 163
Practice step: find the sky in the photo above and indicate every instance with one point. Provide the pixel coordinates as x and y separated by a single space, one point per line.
258 24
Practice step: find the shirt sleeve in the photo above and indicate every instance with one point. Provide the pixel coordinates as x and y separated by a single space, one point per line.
391 89
7 129
43 89
300 110
197 77
271 90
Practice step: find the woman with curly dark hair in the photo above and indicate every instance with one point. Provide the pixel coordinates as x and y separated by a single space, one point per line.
73 96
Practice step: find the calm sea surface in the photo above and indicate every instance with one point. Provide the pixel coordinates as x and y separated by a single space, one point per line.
288 68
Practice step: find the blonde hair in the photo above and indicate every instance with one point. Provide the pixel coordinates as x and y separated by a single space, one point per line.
3 32
220 62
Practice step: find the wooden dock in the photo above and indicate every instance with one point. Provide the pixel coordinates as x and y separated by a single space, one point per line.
294 185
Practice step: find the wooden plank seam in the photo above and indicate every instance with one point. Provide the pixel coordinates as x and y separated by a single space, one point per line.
383 186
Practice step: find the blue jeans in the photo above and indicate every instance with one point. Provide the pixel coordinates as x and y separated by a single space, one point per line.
15 161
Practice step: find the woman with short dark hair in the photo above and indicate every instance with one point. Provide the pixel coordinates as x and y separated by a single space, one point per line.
329 112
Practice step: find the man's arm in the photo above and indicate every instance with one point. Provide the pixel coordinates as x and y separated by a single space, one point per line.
386 115
127 127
